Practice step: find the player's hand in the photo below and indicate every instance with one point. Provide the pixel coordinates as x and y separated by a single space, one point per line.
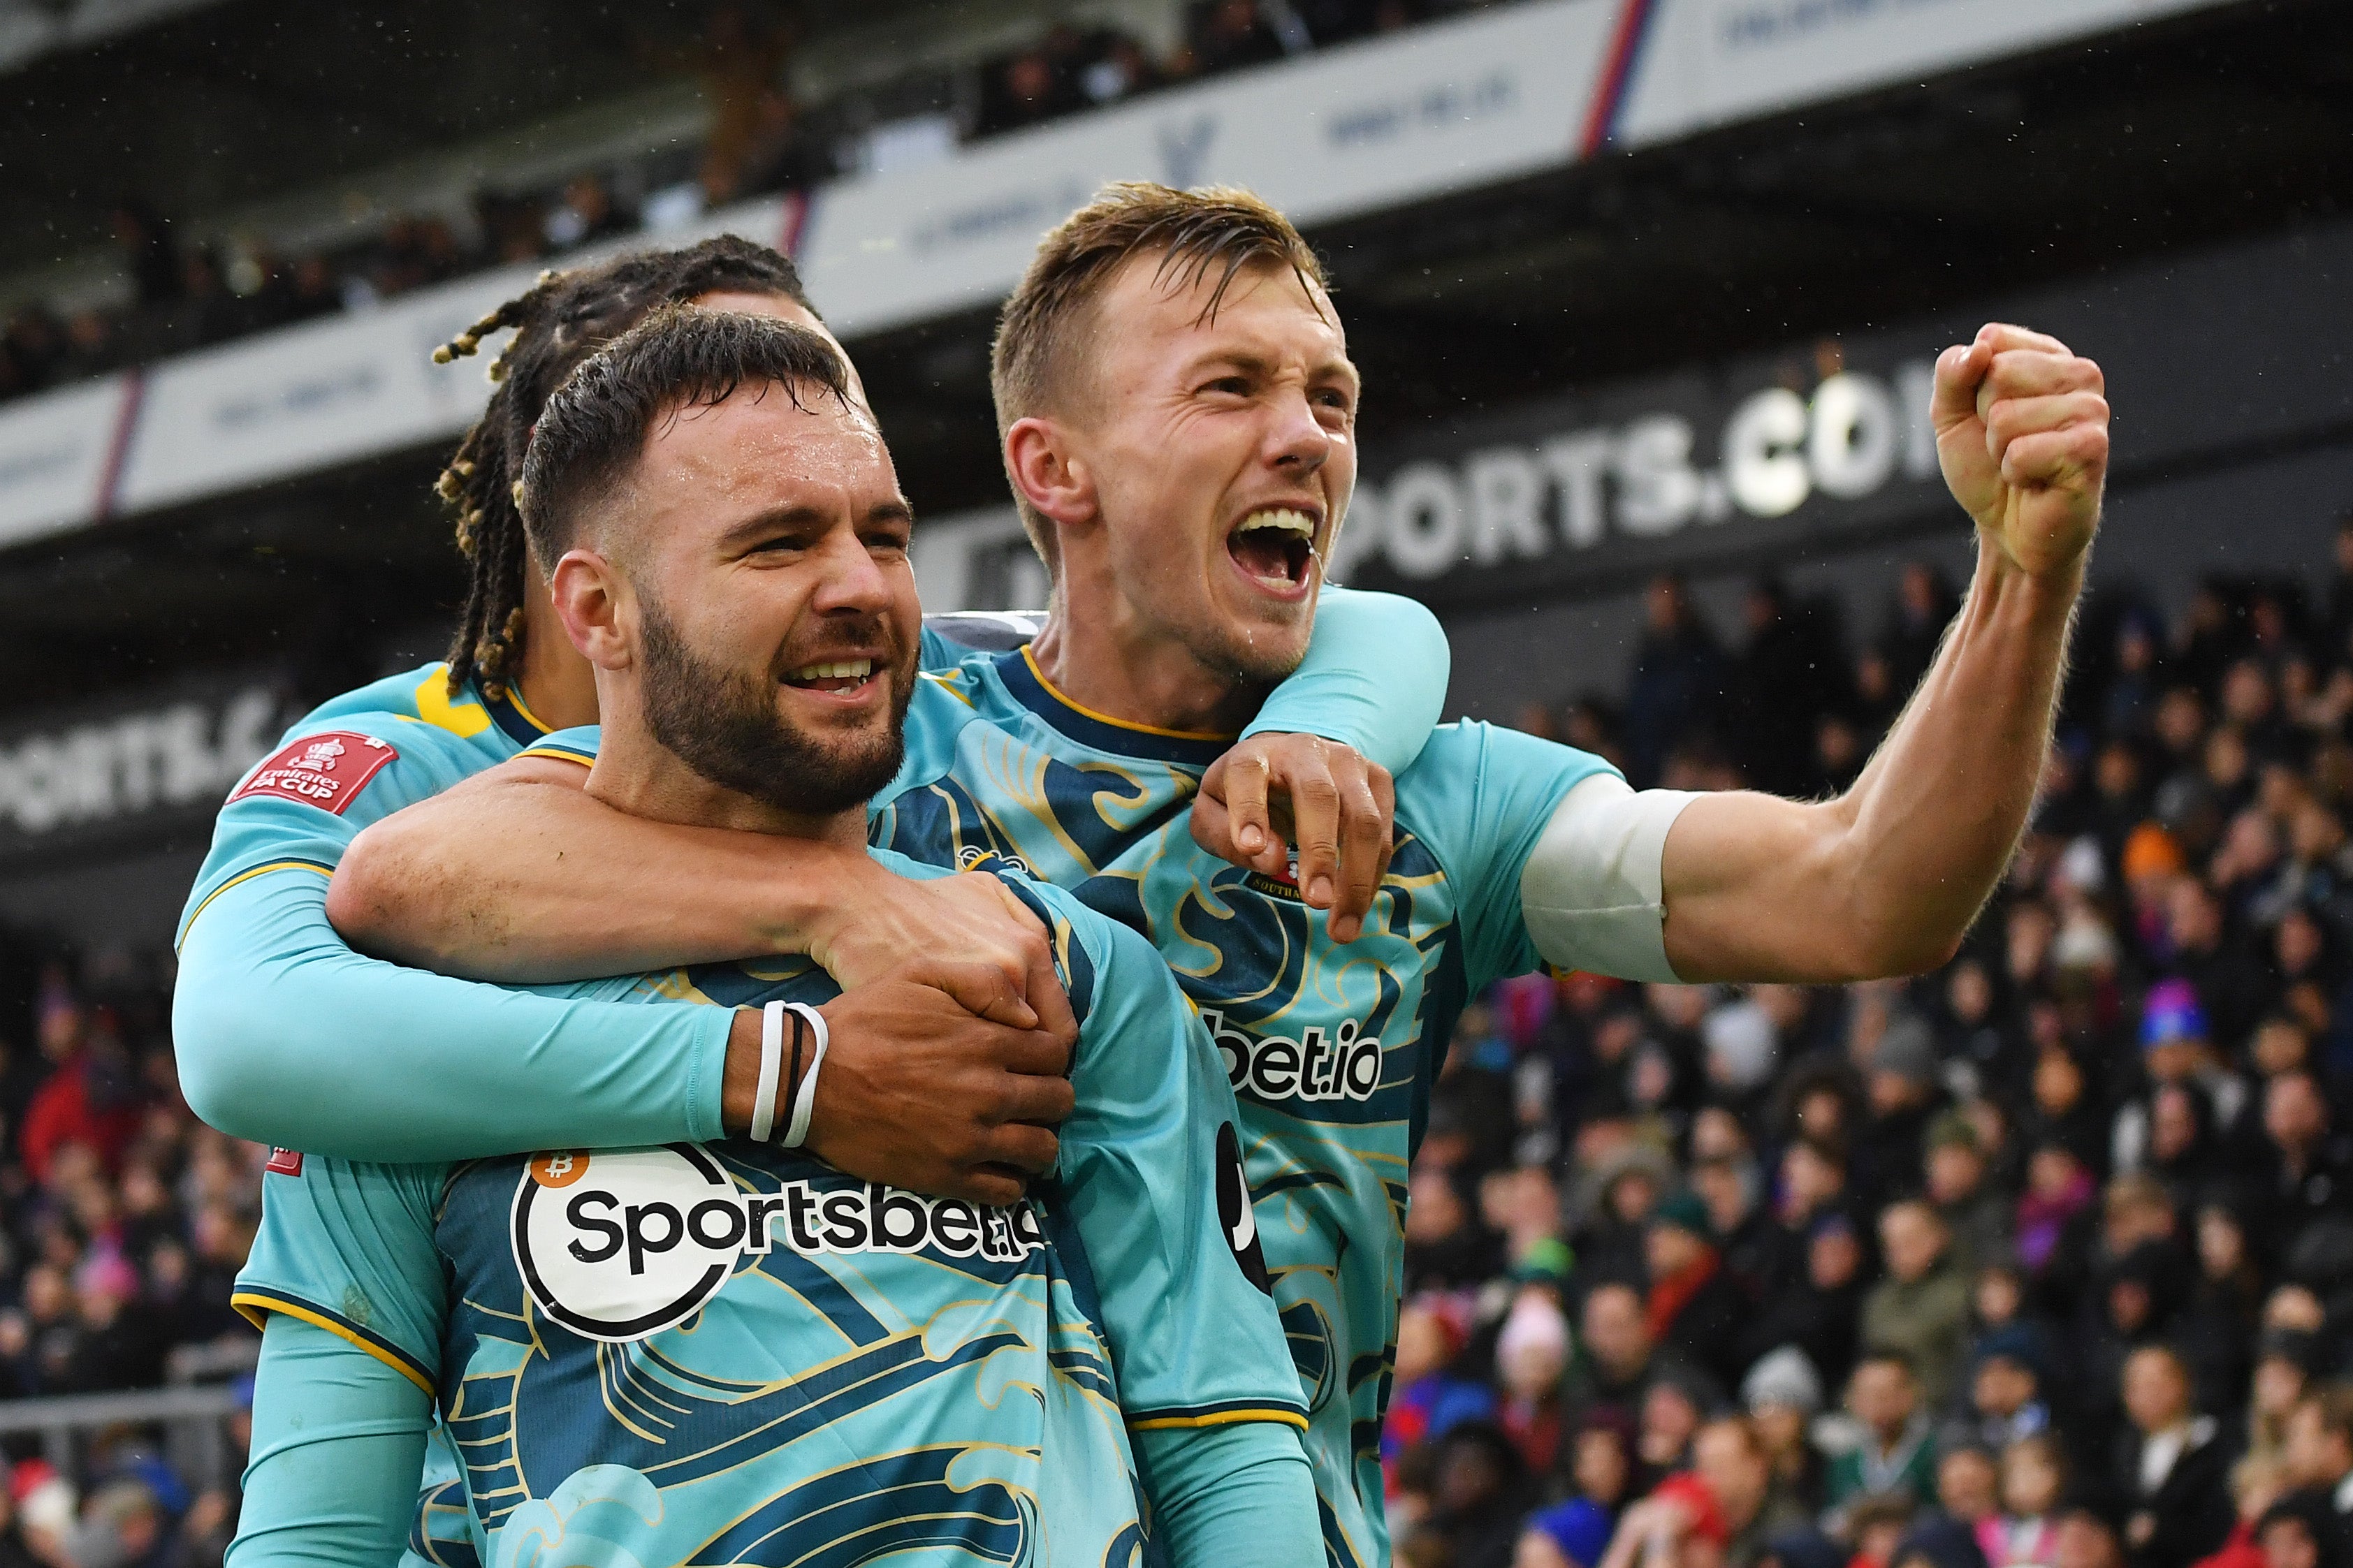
1270 791
2022 435
967 935
918 1092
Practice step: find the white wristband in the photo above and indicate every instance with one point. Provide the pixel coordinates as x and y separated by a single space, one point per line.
805 1102
772 1064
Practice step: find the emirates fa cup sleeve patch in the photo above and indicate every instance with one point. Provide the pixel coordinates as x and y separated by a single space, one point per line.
1236 1215
326 771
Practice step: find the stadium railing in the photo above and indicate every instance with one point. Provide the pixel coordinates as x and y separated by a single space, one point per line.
191 1415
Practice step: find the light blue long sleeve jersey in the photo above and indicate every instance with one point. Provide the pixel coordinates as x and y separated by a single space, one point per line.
429 1068
674 1350
287 1036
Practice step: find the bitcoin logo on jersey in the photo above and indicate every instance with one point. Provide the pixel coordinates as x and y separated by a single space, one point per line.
1341 1065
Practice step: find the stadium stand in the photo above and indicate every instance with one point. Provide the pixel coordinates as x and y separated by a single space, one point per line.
2109 1143
188 295
2119 1120
2126 1102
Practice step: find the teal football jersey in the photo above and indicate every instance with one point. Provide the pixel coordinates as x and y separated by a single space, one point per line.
733 1353
334 773
1331 1049
357 758
337 769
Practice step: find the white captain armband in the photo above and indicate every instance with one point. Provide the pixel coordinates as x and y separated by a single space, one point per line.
1592 892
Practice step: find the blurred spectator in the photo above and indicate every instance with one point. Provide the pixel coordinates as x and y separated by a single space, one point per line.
587 213
2297 1531
1919 1312
1695 1309
1892 1456
1924 604
1678 680
2033 1482
742 52
2171 1466
781 155
1227 35
1430 1401
1787 679
1616 1360
1531 1357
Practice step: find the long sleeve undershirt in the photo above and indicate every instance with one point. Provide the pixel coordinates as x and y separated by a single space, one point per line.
285 1036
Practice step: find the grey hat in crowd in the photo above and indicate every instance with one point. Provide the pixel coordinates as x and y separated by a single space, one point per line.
1906 1049
1783 1377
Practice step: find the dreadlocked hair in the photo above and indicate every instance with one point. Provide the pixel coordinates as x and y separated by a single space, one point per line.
559 321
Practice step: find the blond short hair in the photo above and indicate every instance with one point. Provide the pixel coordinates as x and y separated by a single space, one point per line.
1218 228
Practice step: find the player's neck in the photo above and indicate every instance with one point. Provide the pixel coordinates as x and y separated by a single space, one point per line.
557 683
636 773
1113 663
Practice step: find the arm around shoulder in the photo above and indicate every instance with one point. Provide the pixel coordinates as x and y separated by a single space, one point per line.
285 1036
1374 677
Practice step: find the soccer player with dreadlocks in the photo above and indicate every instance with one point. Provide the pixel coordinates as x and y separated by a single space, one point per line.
946 1072
261 967
732 1351
430 1069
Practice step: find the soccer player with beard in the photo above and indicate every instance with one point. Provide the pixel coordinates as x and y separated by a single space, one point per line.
735 1351
943 1079
940 975
1178 415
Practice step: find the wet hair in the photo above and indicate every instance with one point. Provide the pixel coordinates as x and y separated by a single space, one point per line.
1216 232
592 433
558 322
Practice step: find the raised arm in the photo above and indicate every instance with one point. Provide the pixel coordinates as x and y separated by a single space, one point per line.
1885 878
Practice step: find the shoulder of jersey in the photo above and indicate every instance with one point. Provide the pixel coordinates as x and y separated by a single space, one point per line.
420 695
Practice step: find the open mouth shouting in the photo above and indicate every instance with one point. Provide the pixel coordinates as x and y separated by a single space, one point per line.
1274 547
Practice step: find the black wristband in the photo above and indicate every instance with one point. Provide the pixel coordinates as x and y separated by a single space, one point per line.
793 1076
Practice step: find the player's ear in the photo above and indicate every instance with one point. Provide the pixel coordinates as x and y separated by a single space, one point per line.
1051 476
588 595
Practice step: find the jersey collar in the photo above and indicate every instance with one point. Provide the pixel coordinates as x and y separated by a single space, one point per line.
1029 686
513 716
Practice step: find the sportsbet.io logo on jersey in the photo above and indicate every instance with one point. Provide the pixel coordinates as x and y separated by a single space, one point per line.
619 1246
1344 1065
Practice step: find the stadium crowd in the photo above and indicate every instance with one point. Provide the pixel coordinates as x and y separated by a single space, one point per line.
123 1222
184 296
2044 1259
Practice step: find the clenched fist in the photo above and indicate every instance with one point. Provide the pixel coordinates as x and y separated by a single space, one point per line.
2022 435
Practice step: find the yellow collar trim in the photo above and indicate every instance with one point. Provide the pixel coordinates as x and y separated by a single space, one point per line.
1082 709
